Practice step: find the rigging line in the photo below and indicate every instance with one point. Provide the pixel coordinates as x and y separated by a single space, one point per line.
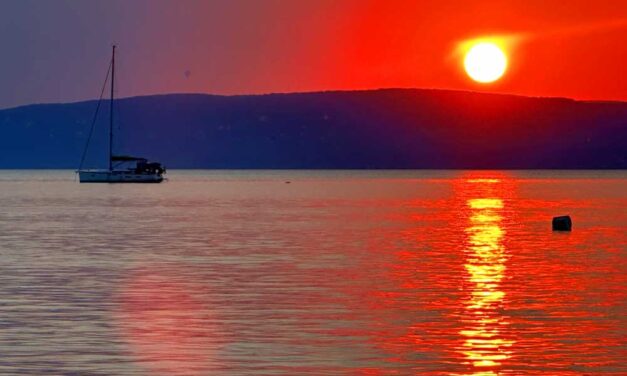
120 139
118 109
93 122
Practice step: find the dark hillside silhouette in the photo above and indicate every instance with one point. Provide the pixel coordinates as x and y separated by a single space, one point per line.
391 128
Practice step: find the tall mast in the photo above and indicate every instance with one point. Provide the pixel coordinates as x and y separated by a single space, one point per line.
111 110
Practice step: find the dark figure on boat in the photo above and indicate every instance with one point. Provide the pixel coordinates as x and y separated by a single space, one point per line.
144 167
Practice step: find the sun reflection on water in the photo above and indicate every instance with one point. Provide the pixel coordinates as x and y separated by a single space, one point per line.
484 347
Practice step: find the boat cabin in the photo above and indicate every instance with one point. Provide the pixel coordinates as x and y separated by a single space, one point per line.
136 165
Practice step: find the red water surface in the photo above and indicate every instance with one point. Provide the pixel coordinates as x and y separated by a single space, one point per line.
454 274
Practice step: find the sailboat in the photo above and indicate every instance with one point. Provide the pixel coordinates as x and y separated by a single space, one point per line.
122 168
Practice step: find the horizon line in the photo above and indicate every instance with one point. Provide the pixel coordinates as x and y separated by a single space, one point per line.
323 92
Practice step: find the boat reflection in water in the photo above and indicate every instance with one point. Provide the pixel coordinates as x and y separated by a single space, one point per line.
485 347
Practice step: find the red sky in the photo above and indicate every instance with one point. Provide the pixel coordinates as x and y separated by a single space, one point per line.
568 48
57 51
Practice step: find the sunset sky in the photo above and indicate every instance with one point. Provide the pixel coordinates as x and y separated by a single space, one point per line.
58 51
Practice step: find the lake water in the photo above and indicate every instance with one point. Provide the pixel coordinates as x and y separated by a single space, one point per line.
333 273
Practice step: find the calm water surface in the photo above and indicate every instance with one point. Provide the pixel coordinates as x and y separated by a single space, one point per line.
335 273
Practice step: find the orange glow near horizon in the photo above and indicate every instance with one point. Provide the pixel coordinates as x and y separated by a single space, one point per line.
550 50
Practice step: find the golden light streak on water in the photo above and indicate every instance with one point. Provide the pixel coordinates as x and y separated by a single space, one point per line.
484 346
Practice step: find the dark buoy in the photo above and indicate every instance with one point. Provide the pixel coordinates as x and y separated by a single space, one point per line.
563 223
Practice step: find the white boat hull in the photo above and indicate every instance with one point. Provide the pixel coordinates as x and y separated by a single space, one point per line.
122 176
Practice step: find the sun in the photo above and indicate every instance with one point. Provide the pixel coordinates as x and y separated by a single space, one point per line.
485 62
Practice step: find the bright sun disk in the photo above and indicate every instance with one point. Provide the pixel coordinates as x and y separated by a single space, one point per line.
485 62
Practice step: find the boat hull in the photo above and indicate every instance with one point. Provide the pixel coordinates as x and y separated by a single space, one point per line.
106 176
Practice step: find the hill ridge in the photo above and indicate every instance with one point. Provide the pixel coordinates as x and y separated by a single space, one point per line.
382 128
